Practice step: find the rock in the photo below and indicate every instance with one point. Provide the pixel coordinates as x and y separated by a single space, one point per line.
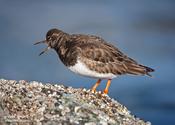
35 103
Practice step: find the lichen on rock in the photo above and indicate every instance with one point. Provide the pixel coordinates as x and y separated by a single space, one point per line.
35 103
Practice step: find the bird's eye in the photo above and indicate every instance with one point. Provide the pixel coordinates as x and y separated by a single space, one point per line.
49 38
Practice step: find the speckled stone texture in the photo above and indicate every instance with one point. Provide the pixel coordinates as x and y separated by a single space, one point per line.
35 103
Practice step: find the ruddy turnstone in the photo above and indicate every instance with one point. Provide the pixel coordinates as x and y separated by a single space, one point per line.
92 56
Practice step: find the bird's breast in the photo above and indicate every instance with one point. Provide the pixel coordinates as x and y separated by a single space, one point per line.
67 56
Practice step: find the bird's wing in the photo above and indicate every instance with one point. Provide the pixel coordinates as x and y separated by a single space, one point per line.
100 56
106 58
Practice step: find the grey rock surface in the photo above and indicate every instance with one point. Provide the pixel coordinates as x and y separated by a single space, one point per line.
35 103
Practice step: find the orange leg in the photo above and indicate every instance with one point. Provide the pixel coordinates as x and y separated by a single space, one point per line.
107 86
96 85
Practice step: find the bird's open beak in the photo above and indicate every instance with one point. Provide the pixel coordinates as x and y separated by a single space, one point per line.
45 50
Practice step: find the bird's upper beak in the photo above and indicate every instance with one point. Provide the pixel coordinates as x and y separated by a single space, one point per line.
44 41
45 50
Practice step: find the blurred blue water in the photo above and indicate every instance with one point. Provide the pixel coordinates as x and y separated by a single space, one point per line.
145 30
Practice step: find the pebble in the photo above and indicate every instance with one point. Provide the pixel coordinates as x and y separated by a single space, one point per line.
52 104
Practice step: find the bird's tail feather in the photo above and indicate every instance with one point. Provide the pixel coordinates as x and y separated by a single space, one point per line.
137 69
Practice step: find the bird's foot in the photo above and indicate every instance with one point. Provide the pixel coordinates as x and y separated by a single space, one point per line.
95 86
105 91
93 90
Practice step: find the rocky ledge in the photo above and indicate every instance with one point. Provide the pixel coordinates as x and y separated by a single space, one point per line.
35 103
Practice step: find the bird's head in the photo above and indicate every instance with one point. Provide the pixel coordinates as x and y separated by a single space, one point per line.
53 38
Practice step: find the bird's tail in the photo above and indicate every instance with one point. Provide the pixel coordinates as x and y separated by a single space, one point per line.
137 69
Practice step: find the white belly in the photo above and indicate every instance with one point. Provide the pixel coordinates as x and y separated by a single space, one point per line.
82 69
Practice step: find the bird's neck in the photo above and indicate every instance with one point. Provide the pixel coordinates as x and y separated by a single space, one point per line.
60 41
61 47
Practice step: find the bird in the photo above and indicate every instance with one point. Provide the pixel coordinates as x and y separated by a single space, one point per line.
92 56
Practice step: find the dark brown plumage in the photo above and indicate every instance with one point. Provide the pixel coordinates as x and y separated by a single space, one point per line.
93 52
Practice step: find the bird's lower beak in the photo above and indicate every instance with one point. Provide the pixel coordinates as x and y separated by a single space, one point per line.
45 50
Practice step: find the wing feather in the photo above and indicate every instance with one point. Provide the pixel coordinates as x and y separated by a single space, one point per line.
106 58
